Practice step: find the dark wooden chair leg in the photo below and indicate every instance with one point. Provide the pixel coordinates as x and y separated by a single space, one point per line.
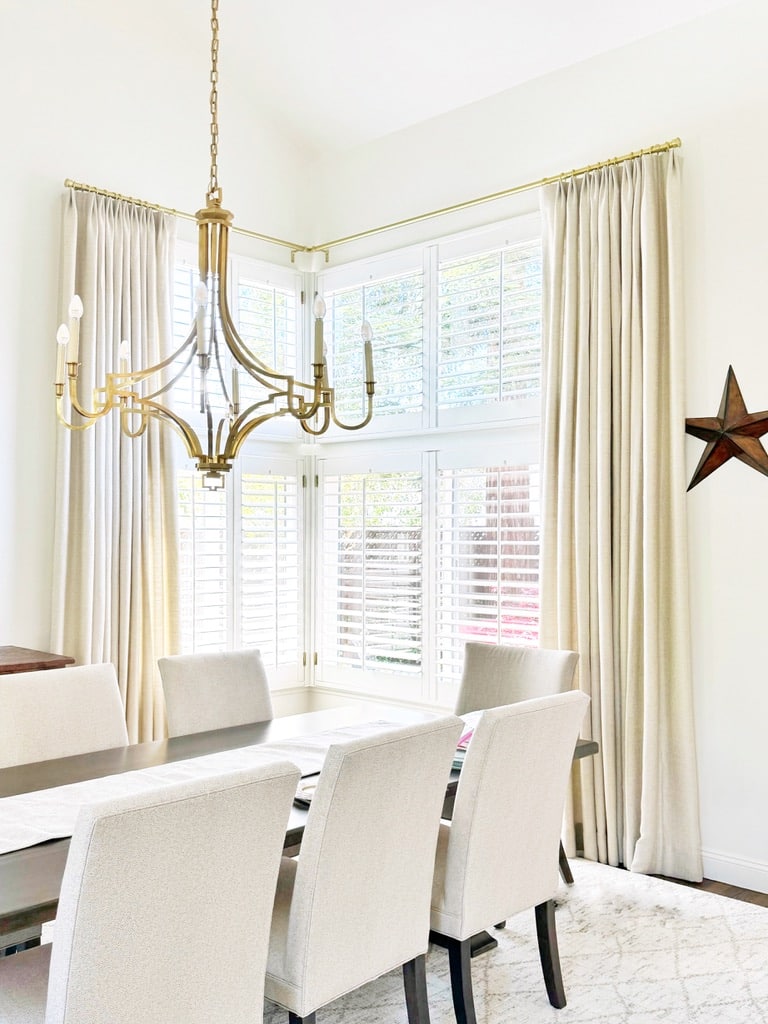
460 960
294 1018
565 867
501 924
415 983
548 953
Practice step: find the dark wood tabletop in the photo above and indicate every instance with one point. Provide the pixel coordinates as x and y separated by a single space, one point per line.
30 879
25 659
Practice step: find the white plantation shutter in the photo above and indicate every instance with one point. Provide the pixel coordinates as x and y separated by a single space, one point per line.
487 560
371 576
271 564
205 560
265 311
489 313
394 308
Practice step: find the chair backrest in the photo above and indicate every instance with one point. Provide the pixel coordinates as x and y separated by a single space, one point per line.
166 902
363 879
60 711
499 853
496 674
214 690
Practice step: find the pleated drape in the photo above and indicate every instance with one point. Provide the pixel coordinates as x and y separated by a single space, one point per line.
614 570
115 593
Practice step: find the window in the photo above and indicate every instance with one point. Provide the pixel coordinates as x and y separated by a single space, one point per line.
420 532
429 520
370 573
394 308
242 552
242 562
487 560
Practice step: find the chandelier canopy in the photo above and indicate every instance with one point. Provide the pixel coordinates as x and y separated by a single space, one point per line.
215 350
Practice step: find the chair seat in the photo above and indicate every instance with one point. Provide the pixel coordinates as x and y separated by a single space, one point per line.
24 986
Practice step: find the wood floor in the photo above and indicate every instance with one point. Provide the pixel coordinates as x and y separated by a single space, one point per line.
724 889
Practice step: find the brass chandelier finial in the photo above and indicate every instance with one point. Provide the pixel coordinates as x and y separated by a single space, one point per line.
212 349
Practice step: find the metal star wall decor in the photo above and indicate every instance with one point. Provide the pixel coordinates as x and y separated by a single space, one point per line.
732 434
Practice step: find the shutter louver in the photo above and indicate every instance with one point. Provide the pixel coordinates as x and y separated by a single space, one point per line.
204 598
488 560
372 571
489 311
270 567
394 309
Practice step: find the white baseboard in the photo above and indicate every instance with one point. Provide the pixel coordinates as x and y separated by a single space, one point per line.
290 700
723 867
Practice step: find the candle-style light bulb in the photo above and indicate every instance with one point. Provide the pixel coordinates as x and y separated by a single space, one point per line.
319 310
75 313
62 340
235 389
366 332
124 356
201 299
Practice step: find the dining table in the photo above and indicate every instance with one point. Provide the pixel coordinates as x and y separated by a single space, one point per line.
49 793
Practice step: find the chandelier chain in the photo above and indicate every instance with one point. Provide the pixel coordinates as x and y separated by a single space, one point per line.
214 190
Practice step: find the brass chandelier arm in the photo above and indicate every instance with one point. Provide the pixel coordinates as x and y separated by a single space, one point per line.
90 415
324 424
354 426
147 409
150 371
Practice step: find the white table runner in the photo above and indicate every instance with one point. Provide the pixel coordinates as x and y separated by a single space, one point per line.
31 818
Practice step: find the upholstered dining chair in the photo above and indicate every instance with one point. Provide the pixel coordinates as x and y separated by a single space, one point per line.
355 903
497 856
214 690
164 909
55 713
496 674
58 712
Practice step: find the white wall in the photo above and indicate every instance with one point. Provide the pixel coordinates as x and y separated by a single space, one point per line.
706 82
81 107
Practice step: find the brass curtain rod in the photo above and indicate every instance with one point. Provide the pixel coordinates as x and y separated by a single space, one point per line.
295 247
78 186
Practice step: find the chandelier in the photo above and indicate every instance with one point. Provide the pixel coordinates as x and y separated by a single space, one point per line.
214 349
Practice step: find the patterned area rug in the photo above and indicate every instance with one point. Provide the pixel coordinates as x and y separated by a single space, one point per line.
634 950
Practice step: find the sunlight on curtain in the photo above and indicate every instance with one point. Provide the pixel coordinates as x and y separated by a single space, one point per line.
614 569
115 594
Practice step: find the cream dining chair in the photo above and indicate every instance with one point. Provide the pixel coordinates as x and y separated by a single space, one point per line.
355 903
497 855
214 690
164 909
58 712
496 674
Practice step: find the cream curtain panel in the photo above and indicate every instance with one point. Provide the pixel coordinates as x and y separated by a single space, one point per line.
115 593
614 545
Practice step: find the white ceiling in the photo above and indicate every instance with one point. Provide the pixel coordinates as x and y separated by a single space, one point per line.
338 73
